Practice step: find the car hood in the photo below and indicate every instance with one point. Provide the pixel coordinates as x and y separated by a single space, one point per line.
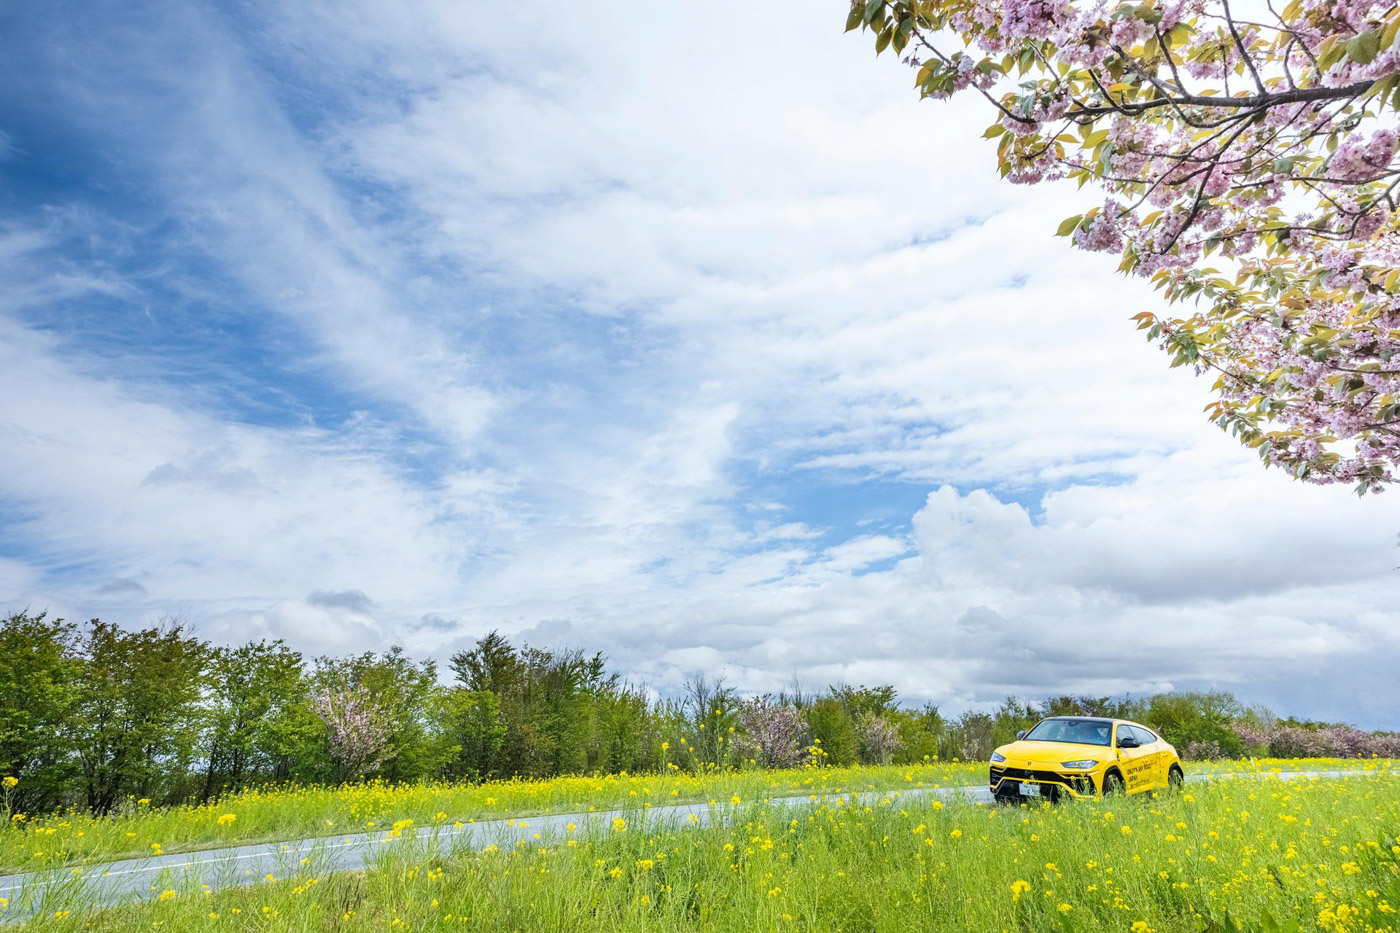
1025 754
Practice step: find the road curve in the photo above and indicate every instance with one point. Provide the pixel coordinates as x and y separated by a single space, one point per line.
111 883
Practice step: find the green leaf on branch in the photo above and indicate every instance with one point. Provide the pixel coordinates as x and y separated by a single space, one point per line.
1364 48
1332 52
901 35
1179 34
1069 225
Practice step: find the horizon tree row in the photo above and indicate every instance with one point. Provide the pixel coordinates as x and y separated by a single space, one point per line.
95 715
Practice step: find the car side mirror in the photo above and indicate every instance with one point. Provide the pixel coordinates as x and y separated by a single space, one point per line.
1128 741
1021 735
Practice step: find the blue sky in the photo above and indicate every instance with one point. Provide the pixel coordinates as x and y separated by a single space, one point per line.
702 343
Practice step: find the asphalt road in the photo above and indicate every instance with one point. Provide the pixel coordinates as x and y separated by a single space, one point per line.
111 883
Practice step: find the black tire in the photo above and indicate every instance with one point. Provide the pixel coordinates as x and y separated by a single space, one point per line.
1113 784
1176 778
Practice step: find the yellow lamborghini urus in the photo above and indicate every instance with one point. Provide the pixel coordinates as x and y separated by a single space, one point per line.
1083 756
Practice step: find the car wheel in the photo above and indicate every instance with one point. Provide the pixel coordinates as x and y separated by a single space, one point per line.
1113 784
1176 777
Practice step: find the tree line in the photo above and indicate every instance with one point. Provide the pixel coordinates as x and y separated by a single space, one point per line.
94 715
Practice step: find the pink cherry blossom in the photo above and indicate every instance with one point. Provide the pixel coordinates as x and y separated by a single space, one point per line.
1250 171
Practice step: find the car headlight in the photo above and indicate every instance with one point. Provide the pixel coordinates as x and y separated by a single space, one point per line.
998 756
1082 763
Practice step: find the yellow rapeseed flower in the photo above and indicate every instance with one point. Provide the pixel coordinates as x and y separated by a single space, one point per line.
166 895
10 781
1018 888
226 819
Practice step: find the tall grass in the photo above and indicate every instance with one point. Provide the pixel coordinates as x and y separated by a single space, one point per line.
297 812
1243 854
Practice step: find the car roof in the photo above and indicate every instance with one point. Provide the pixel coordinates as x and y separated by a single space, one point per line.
1102 719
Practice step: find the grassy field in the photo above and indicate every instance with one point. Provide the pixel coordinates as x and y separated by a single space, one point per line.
280 814
1245 855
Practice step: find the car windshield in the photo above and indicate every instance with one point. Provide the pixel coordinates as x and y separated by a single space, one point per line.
1079 731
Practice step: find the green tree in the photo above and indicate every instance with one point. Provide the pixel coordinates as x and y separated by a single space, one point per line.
1200 718
623 732
492 665
561 712
865 701
135 724
920 733
258 721
1012 717
831 724
711 709
476 732
38 693
556 710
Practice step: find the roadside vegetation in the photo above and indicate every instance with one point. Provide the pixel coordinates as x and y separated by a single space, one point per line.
94 718
1249 854
271 814
116 743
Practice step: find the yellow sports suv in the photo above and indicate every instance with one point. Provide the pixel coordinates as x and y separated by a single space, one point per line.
1083 756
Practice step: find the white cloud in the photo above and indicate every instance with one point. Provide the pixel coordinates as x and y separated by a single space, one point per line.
196 508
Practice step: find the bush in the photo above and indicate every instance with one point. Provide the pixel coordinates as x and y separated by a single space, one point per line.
832 727
1205 738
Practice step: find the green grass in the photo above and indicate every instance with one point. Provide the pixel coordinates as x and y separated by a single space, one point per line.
292 813
299 812
1320 853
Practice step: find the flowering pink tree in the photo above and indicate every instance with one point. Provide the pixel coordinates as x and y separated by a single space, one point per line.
771 733
1318 741
879 738
357 729
1249 167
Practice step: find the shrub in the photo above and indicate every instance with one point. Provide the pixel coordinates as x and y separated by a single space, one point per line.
832 727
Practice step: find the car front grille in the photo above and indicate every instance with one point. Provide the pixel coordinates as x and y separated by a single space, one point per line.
1079 783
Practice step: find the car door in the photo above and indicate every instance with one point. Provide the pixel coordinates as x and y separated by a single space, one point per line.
1158 754
1134 762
